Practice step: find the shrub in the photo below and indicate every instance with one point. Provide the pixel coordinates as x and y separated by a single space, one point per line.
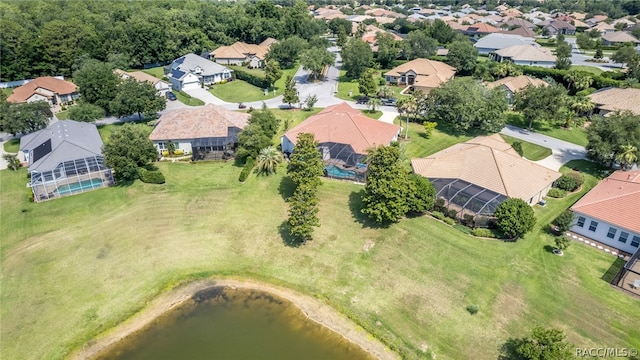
586 92
151 177
30 195
515 218
449 221
556 193
468 219
452 213
482 232
473 309
438 215
517 146
165 152
246 170
567 183
251 79
178 152
562 242
440 205
579 179
564 221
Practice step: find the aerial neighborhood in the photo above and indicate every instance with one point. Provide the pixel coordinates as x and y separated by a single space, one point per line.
437 179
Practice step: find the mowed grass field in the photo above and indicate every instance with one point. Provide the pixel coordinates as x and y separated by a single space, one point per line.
75 267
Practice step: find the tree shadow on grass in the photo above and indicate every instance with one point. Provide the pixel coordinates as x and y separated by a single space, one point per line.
286 187
285 234
549 248
355 205
613 270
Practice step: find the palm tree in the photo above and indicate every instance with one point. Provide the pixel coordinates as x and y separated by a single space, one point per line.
268 160
628 155
582 105
373 103
385 92
406 105
12 161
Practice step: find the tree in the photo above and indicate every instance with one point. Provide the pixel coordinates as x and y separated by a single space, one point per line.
422 194
303 213
373 103
386 192
628 155
305 165
442 32
598 54
582 104
26 117
360 30
316 59
578 80
136 97
563 53
337 25
12 160
268 160
562 242
86 112
515 218
517 146
286 52
258 134
464 103
429 126
310 101
564 221
97 83
541 344
272 72
368 82
418 44
356 57
624 54
462 56
407 106
388 49
290 91
541 103
127 149
607 137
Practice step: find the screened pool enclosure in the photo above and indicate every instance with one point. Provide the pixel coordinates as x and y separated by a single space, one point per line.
468 199
71 177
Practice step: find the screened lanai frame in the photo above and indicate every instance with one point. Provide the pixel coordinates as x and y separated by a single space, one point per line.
342 162
71 177
468 199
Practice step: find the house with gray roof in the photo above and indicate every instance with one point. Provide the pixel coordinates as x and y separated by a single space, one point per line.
192 71
525 55
497 41
65 159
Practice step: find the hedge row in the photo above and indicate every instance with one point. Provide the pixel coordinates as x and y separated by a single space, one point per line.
599 81
252 79
246 170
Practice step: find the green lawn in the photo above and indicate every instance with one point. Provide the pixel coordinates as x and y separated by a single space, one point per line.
575 135
6 91
419 145
105 130
373 114
256 72
530 151
156 71
345 85
63 115
237 91
187 99
589 69
12 146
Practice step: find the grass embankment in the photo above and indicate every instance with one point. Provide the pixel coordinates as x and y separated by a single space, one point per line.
575 135
187 99
12 146
241 91
530 151
590 69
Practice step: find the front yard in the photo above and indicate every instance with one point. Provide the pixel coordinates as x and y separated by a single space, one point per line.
530 151
346 85
241 91
575 135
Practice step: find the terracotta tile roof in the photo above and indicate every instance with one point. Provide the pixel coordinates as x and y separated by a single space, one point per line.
517 83
197 123
602 27
526 53
24 92
482 28
519 22
491 163
424 67
241 50
520 32
343 124
619 37
614 99
456 26
141 76
578 15
580 24
512 13
615 200
372 31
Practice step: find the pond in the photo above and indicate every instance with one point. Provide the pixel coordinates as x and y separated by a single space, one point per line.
225 323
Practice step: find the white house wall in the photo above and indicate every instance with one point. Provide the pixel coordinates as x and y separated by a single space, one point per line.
547 64
287 146
601 231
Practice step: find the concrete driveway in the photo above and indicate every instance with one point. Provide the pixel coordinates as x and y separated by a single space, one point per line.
561 151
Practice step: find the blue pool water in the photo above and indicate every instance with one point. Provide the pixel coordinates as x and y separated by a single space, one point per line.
78 186
336 172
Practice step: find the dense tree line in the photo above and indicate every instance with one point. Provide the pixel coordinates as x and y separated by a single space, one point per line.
39 37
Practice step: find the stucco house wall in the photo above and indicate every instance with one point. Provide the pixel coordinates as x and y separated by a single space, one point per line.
583 226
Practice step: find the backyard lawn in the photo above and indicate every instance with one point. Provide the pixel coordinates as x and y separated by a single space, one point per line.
156 71
589 69
575 135
530 151
237 91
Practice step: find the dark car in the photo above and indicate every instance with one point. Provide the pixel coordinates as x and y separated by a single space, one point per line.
389 101
363 100
242 106
171 96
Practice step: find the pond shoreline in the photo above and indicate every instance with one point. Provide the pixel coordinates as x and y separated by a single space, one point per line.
315 310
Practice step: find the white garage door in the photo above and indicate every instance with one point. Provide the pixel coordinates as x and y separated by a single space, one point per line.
191 85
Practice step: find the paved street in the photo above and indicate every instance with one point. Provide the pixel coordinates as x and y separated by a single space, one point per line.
578 58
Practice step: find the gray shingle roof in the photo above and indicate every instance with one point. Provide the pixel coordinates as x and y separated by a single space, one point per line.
69 139
189 63
501 41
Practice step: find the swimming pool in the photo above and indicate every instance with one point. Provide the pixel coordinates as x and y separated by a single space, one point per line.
339 173
79 186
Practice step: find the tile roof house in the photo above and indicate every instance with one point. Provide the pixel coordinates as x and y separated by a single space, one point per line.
610 100
513 84
476 176
493 42
344 135
596 19
618 38
161 86
47 88
371 32
525 55
609 212
206 132
240 53
481 29
520 23
65 159
604 28
421 74
520 32
558 27
191 71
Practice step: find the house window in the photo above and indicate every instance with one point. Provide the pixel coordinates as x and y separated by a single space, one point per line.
612 232
581 220
635 241
388 79
623 237
403 79
162 146
593 226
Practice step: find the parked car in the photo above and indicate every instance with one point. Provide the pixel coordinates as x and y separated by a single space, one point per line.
363 100
242 106
171 96
389 101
